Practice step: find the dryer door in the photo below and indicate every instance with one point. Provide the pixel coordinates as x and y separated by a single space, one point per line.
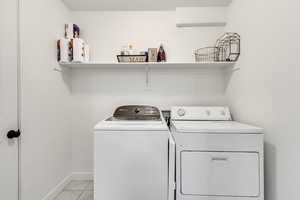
234 174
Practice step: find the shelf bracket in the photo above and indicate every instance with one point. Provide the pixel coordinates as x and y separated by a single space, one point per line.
58 70
147 77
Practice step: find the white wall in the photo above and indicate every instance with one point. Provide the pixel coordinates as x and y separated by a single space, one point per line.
107 32
264 91
46 136
97 92
201 16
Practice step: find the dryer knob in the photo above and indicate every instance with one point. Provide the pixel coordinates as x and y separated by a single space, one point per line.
181 112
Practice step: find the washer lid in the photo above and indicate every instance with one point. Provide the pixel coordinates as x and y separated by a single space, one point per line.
215 127
136 112
131 125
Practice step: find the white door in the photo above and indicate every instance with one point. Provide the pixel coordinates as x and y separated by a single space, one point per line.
8 99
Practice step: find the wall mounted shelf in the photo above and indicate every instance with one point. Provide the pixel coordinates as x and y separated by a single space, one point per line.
148 67
99 65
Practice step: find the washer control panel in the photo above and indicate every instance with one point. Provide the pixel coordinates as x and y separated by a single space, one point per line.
221 113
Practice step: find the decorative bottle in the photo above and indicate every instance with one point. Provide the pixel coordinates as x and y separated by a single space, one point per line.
161 56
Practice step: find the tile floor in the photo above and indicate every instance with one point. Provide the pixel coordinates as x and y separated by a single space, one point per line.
77 190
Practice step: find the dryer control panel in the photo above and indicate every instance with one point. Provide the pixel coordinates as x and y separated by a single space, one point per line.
201 113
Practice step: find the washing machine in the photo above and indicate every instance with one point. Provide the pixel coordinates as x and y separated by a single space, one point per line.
131 155
215 158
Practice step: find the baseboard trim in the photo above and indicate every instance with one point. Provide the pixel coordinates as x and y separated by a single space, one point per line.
82 176
58 188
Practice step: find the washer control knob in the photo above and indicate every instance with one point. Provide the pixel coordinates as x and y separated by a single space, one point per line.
181 112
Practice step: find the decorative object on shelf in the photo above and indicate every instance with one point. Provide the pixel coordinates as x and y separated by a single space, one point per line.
161 56
72 48
128 50
152 55
229 47
131 58
86 52
131 51
63 50
206 54
77 45
129 54
144 53
124 50
72 31
147 56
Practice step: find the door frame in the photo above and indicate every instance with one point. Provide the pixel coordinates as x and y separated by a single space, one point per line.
19 92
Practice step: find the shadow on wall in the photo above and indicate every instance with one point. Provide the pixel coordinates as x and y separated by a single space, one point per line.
270 171
162 81
66 76
228 75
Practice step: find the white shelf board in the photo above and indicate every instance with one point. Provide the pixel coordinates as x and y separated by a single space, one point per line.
99 65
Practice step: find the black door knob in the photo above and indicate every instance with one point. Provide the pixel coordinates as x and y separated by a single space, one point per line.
13 134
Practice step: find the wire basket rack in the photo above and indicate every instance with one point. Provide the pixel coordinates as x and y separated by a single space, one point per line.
206 54
227 49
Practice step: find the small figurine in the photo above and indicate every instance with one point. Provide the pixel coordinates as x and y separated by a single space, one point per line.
161 56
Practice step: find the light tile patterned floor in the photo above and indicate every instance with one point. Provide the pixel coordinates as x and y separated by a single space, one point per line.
77 190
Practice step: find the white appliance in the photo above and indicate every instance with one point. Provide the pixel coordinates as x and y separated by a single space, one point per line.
216 158
131 155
